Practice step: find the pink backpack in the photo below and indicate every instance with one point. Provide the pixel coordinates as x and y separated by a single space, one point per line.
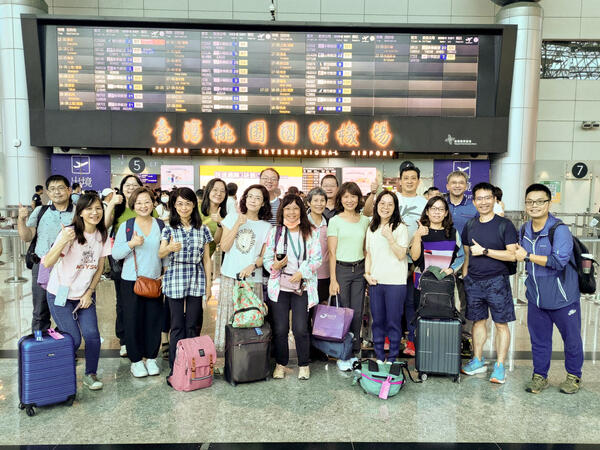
194 364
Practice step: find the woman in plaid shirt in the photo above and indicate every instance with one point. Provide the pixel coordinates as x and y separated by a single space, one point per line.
185 243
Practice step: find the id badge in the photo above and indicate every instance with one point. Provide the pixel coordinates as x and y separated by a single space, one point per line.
61 295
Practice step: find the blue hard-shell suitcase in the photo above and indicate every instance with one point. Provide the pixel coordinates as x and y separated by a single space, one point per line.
340 350
46 372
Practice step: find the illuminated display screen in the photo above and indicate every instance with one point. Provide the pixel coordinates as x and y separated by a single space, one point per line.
262 72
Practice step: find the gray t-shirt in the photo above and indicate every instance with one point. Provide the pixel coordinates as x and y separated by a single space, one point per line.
274 207
411 209
49 226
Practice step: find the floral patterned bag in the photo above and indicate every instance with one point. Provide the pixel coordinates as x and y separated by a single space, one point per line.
249 310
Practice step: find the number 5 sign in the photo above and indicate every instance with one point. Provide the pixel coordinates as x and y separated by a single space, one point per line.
137 165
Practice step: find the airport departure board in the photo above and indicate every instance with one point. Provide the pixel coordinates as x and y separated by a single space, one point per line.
262 72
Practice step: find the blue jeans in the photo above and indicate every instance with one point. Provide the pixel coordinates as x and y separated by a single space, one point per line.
387 305
86 324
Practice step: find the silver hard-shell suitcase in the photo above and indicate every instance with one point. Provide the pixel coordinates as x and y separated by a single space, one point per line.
438 348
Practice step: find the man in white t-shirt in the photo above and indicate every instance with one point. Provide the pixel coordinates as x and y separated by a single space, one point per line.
411 208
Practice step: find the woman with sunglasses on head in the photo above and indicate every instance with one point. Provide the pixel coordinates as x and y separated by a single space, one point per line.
77 261
143 317
185 245
118 212
346 242
213 209
386 273
243 242
292 257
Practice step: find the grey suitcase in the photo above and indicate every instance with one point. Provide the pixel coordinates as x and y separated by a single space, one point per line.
438 348
247 354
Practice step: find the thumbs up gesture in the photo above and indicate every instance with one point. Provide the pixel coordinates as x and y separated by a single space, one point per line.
422 230
174 246
23 212
67 235
136 240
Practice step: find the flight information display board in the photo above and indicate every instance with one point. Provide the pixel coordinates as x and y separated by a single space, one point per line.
262 72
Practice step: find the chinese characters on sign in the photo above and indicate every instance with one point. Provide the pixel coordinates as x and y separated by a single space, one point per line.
162 131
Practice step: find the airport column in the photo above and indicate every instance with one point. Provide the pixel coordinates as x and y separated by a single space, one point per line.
22 166
518 162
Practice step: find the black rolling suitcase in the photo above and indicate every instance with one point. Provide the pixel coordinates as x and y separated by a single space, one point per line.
438 348
247 354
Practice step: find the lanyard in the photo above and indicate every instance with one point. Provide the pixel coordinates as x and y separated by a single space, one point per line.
296 252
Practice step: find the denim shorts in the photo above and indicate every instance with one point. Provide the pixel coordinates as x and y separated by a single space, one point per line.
493 294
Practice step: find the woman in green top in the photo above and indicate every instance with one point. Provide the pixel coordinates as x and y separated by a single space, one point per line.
214 209
346 242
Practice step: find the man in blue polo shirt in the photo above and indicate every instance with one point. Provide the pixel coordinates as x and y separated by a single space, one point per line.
552 291
46 222
462 210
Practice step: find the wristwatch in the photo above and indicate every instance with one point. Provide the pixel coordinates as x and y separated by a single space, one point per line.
526 259
485 251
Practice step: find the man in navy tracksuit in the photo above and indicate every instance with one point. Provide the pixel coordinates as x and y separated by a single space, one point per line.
552 291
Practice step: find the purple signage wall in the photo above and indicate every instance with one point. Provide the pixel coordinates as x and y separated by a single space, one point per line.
91 171
476 170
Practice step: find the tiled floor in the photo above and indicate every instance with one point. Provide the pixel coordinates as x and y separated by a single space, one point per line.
327 408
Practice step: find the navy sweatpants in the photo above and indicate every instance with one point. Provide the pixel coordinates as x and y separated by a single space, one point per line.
540 323
387 305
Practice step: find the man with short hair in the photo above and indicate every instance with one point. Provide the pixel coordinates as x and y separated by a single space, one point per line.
330 185
431 192
490 242
462 210
269 178
76 189
411 207
46 222
36 200
546 246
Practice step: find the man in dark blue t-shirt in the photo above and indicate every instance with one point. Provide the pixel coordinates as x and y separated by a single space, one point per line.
490 242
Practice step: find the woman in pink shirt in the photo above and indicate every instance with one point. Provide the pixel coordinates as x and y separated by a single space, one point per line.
77 261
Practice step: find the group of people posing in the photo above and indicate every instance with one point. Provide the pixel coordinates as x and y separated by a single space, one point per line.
297 253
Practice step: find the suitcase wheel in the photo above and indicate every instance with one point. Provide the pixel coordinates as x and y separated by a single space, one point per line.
30 411
70 400
457 379
21 406
422 376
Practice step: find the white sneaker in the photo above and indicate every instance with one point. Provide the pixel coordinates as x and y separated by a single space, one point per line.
138 369
152 367
123 351
345 365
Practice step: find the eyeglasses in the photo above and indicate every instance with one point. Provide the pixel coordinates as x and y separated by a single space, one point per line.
436 209
143 203
269 179
484 199
535 202
184 204
52 190
255 197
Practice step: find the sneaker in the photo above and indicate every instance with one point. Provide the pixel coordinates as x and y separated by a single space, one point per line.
345 365
474 366
409 349
123 351
152 367
537 384
303 373
571 385
279 372
498 375
92 382
138 369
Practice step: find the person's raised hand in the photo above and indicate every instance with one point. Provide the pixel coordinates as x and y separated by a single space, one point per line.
23 212
422 230
67 235
174 246
136 240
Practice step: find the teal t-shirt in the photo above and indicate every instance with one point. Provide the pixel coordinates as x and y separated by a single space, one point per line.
351 237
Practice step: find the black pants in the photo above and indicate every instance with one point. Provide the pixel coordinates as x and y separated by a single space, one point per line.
460 287
352 295
142 318
280 311
183 324
119 326
41 312
323 289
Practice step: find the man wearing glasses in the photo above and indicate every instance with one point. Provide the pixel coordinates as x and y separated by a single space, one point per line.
546 246
44 224
490 242
269 178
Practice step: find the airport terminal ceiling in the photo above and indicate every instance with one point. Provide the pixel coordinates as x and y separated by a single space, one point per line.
258 85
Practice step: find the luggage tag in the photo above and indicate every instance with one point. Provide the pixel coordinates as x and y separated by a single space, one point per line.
258 331
55 334
38 335
385 389
61 295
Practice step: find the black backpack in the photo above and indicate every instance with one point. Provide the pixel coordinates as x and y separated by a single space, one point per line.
30 257
587 281
510 265
437 298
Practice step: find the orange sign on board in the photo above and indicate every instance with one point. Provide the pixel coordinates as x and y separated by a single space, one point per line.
257 132
162 131
347 134
380 133
288 132
223 133
318 132
192 131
